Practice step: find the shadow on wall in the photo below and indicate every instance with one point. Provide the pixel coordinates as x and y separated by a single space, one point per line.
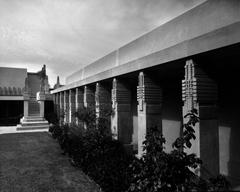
222 66
134 106
229 130
49 110
171 112
229 142
10 112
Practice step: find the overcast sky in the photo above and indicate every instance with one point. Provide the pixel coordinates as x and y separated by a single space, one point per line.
68 34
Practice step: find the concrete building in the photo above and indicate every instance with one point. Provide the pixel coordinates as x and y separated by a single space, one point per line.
24 98
189 62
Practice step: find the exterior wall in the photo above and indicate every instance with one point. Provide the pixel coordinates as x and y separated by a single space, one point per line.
72 105
79 102
103 104
61 107
229 142
134 111
229 123
122 117
171 111
66 106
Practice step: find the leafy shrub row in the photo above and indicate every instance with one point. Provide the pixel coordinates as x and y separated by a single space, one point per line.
158 171
107 163
95 152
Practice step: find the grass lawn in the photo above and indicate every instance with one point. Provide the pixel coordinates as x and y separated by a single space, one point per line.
33 162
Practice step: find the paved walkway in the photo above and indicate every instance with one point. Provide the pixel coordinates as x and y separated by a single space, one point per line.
32 162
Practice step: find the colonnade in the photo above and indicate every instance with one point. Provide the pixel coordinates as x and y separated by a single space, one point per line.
198 91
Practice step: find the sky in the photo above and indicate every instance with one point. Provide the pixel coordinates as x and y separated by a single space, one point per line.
67 35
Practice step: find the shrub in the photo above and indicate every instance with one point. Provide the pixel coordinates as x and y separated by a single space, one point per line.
52 118
105 160
107 163
55 130
87 116
94 151
158 171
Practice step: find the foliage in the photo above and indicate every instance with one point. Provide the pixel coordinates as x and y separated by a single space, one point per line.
219 183
55 130
159 171
105 160
107 163
87 115
94 151
52 118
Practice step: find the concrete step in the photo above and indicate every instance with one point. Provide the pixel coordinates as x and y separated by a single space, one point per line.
22 127
32 123
33 118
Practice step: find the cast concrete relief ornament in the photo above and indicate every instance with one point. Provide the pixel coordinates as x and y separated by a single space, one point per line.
140 91
197 87
189 86
114 93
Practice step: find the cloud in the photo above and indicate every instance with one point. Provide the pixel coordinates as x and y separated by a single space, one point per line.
67 35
